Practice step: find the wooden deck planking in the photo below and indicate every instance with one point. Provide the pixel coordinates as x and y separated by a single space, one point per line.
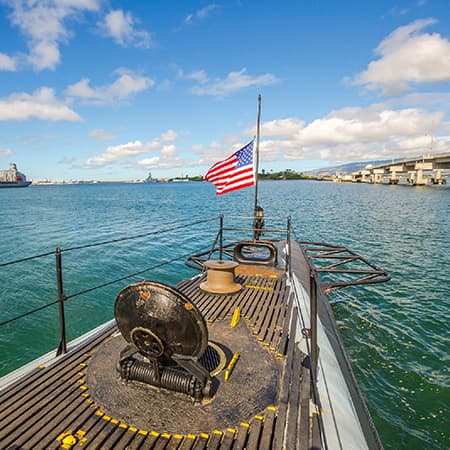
283 400
52 400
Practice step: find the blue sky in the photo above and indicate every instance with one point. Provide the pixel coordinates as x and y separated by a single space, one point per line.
108 90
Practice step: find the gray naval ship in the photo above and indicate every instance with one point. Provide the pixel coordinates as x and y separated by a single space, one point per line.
13 178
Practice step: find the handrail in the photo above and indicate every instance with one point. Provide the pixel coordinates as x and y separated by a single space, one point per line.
195 261
28 258
150 233
62 297
319 290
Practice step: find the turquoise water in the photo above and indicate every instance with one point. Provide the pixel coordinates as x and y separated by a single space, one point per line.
396 334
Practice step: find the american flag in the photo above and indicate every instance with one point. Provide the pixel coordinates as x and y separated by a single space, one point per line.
233 173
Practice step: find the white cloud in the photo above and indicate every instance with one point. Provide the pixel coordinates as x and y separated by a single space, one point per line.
44 55
101 134
121 152
167 159
349 134
235 81
7 63
358 133
121 26
407 56
42 104
169 150
199 76
122 89
43 23
149 163
5 152
201 14
280 127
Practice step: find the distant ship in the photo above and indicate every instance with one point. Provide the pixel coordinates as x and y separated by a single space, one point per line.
13 178
149 179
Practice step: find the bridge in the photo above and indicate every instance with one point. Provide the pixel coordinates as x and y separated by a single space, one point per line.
418 171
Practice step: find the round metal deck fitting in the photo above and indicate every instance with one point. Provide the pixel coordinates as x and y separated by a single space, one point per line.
220 277
160 321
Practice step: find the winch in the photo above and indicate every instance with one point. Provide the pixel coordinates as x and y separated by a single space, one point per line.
166 336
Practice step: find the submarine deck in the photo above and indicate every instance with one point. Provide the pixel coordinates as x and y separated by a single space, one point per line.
53 407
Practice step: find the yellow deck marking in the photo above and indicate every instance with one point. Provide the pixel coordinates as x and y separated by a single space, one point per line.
231 365
236 317
261 288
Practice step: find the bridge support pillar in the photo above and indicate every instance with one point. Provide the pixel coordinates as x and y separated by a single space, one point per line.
438 178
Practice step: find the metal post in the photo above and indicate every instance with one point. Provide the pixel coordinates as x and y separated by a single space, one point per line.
288 240
258 128
62 348
313 322
221 237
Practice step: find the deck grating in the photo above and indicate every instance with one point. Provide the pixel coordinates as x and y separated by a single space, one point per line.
39 408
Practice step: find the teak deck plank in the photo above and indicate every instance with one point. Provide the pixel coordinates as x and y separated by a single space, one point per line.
40 407
265 442
285 386
254 433
303 425
294 401
22 385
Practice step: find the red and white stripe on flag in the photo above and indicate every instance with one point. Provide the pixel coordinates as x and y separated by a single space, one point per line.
234 172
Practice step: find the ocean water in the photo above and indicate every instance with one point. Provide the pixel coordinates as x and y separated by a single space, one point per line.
396 334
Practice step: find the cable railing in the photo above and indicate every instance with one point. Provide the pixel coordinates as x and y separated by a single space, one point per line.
318 256
332 260
62 297
223 246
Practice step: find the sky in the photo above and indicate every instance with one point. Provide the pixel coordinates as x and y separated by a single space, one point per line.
113 90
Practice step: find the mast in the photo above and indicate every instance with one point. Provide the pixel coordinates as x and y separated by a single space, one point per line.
255 210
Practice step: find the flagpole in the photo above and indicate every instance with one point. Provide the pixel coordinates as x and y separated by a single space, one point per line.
258 127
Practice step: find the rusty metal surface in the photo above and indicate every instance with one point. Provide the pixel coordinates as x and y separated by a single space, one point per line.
252 386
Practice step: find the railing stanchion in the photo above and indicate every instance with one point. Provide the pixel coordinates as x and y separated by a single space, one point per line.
62 348
221 236
288 240
313 322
